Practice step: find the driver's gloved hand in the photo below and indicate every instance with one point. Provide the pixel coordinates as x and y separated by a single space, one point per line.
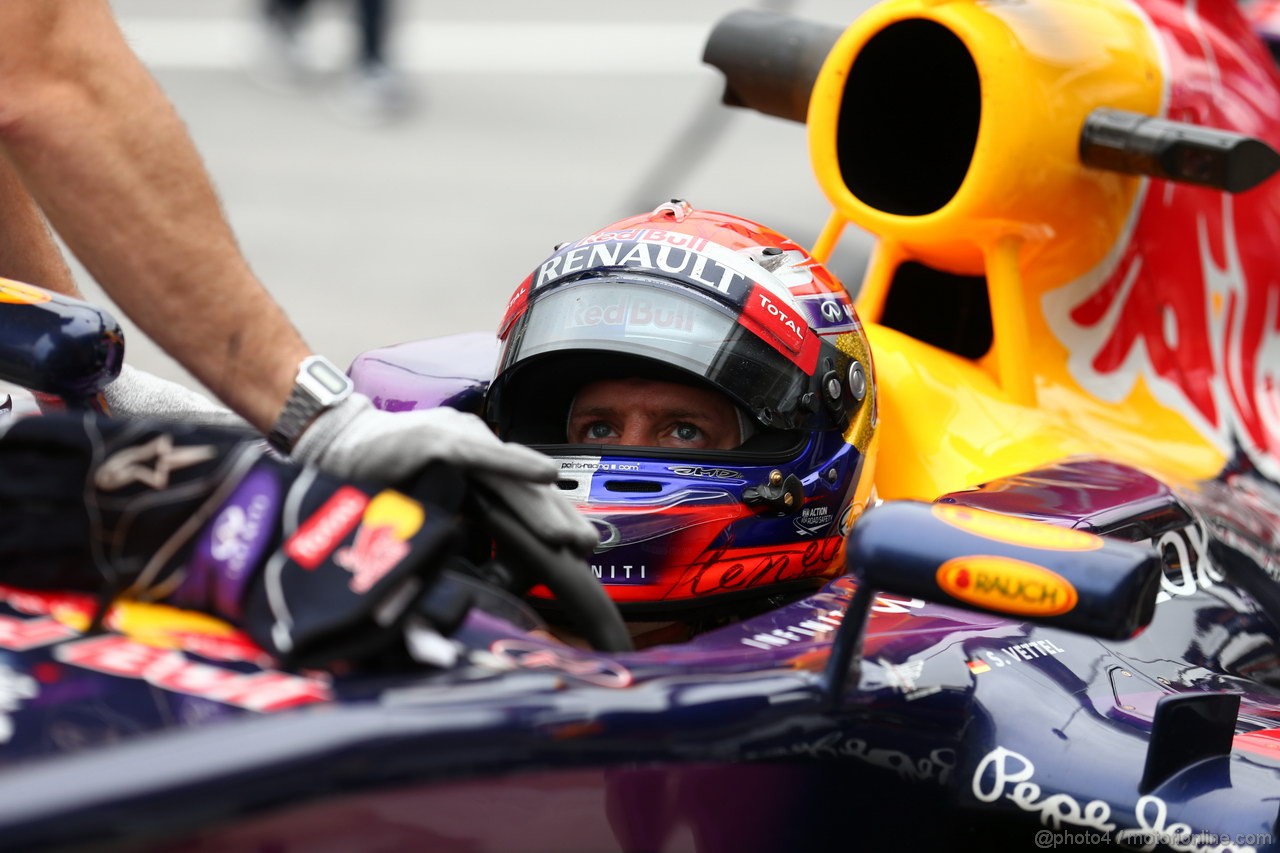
351 561
353 439
99 504
316 569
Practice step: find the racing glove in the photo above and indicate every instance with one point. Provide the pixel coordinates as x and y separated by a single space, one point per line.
316 569
97 505
326 570
353 439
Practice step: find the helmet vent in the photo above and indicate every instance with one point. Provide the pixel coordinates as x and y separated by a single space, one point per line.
632 486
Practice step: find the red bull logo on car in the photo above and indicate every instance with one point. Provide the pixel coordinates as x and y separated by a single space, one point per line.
1208 349
1187 304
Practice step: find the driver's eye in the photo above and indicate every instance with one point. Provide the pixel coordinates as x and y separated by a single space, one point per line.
687 432
599 429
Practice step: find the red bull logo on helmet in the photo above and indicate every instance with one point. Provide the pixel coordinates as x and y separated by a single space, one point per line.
635 312
648 235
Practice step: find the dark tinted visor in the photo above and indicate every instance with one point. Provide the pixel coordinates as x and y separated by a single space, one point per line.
664 323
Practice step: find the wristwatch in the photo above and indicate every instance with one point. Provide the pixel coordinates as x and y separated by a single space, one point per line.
320 385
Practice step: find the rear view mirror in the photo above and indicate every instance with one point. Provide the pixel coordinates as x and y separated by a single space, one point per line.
979 560
1010 566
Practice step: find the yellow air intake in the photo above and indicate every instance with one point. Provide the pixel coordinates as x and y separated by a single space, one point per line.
951 131
950 127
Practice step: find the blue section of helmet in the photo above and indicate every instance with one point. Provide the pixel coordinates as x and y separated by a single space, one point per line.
680 493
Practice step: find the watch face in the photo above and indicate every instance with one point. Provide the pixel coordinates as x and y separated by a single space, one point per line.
328 377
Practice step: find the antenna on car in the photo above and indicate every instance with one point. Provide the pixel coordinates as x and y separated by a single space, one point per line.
1135 144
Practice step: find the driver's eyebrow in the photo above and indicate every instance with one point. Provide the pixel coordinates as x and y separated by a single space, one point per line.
593 411
691 414
604 410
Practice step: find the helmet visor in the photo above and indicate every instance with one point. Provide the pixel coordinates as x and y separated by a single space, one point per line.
668 325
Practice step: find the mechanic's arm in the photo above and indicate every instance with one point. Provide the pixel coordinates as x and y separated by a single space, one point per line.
105 156
28 252
101 150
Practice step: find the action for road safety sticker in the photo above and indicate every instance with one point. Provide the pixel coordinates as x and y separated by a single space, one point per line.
1016 531
17 293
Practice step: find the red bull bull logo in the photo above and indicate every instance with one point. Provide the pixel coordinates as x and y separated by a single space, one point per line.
381 541
1188 302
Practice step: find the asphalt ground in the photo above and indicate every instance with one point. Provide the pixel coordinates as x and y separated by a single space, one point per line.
532 123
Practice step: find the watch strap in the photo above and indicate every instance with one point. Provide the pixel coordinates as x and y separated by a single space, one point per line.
319 385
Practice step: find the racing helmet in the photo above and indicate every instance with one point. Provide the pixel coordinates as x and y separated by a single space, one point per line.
716 302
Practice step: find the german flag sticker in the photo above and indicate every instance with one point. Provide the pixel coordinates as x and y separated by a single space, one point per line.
977 666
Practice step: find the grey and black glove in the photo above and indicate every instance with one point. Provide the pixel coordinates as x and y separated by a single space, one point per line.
353 439
317 570
139 394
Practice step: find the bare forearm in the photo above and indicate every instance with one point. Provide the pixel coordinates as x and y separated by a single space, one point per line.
106 157
27 249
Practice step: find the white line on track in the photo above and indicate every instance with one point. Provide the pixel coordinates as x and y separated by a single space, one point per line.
440 46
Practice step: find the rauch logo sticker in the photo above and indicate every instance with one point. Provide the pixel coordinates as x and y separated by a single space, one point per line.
1007 585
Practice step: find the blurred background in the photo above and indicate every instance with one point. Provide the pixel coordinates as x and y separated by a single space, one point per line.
515 126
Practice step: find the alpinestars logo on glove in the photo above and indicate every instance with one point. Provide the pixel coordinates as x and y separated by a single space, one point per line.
149 464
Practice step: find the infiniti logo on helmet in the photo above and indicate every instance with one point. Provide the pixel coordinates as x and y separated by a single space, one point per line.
699 471
609 534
